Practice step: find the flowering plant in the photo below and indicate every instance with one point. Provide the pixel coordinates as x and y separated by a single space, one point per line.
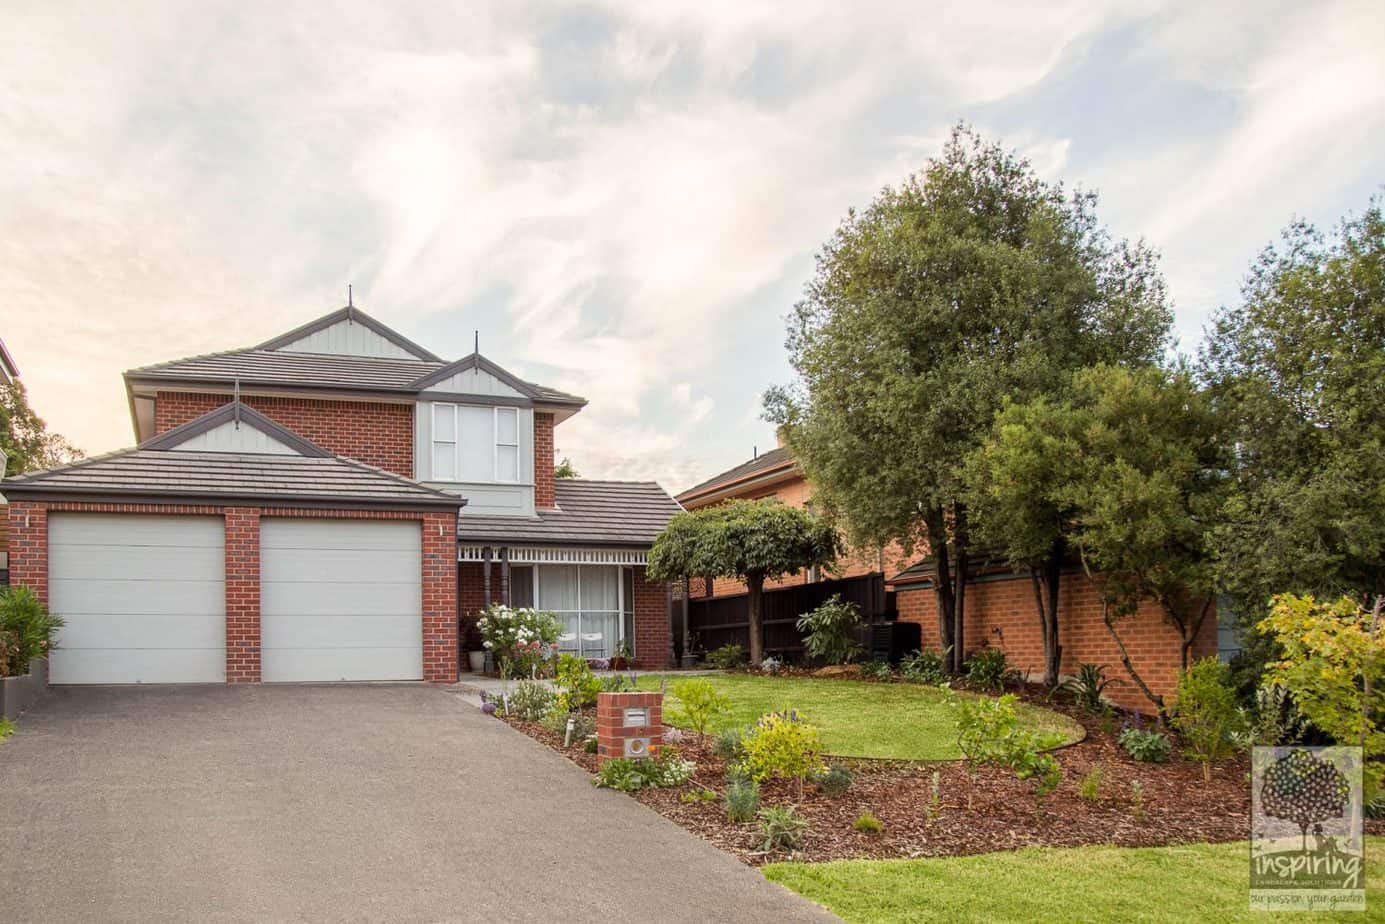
522 639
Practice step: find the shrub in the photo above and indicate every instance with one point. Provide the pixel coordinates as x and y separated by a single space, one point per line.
521 639
1090 787
1087 687
589 744
1333 653
867 823
828 631
694 796
629 775
577 685
1275 719
771 665
781 745
727 657
728 745
1150 747
1137 799
555 721
1206 715
617 683
988 732
988 669
530 700
925 666
699 704
742 800
835 780
781 829
877 670
27 628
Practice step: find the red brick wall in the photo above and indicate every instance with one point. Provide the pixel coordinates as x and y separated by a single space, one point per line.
543 460
611 730
375 433
242 595
1001 613
29 567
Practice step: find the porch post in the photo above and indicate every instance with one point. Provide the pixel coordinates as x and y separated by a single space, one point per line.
505 575
485 577
687 592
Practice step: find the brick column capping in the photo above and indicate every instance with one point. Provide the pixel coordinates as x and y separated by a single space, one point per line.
611 730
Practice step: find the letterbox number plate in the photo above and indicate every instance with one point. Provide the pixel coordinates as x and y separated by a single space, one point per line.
636 717
637 747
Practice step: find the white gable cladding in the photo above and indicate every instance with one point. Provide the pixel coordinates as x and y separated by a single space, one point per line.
228 437
348 338
475 382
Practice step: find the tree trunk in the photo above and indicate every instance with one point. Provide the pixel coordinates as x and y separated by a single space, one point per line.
942 581
755 586
959 606
1110 623
1053 647
1369 669
1188 632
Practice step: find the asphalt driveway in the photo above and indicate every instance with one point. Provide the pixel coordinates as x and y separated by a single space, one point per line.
345 802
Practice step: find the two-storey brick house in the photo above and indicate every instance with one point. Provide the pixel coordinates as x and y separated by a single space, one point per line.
330 505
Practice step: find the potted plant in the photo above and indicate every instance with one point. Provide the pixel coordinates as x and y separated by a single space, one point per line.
620 658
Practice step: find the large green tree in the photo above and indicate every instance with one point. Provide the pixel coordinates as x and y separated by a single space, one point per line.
970 282
753 540
1298 371
1128 471
24 437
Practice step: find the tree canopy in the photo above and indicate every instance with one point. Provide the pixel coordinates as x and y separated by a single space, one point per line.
24 437
753 540
1298 371
971 282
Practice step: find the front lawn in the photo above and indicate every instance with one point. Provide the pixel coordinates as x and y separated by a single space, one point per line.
857 718
1204 882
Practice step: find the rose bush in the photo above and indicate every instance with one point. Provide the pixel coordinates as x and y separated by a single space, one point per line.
522 639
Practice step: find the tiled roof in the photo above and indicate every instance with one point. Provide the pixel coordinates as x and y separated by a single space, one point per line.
630 513
221 476
761 463
312 370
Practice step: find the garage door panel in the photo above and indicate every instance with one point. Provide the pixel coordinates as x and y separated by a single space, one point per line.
361 535
340 600
336 630
190 598
142 630
296 665
138 562
291 599
338 566
138 665
143 598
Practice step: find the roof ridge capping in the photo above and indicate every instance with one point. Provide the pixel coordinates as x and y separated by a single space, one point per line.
241 413
355 315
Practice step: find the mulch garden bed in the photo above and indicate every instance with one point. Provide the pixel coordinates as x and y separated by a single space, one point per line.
979 811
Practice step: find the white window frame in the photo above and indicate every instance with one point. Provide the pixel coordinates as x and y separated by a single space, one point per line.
619 611
456 443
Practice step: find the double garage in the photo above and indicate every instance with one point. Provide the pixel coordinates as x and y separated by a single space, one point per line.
144 599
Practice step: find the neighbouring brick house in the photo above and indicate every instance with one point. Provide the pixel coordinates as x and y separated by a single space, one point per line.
1000 604
337 503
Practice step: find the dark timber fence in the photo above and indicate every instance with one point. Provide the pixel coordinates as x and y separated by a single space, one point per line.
722 621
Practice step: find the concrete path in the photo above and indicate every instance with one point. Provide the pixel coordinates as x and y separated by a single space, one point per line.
333 802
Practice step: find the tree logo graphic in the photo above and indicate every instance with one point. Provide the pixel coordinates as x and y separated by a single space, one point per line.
1305 790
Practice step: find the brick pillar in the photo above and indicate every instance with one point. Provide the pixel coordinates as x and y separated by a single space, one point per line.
440 597
543 461
652 635
29 547
611 730
242 595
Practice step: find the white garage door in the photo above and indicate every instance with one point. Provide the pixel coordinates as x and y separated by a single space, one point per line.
341 600
143 598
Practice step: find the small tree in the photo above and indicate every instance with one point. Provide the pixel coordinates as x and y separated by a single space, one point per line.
24 437
1207 715
699 704
1334 667
565 469
751 540
828 631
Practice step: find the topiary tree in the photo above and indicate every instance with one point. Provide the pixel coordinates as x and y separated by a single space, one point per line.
753 540
1305 790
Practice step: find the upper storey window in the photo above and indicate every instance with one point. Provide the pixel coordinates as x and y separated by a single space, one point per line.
475 443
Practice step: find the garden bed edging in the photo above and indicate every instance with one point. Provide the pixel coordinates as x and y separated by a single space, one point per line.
19 693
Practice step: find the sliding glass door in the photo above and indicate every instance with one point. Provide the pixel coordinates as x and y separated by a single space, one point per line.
590 599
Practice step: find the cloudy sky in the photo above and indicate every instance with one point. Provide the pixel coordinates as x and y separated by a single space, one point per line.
623 198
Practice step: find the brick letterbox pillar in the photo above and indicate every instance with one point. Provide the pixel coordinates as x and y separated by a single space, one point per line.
628 725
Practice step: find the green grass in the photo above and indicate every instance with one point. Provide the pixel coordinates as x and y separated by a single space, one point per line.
6 728
1202 882
901 721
